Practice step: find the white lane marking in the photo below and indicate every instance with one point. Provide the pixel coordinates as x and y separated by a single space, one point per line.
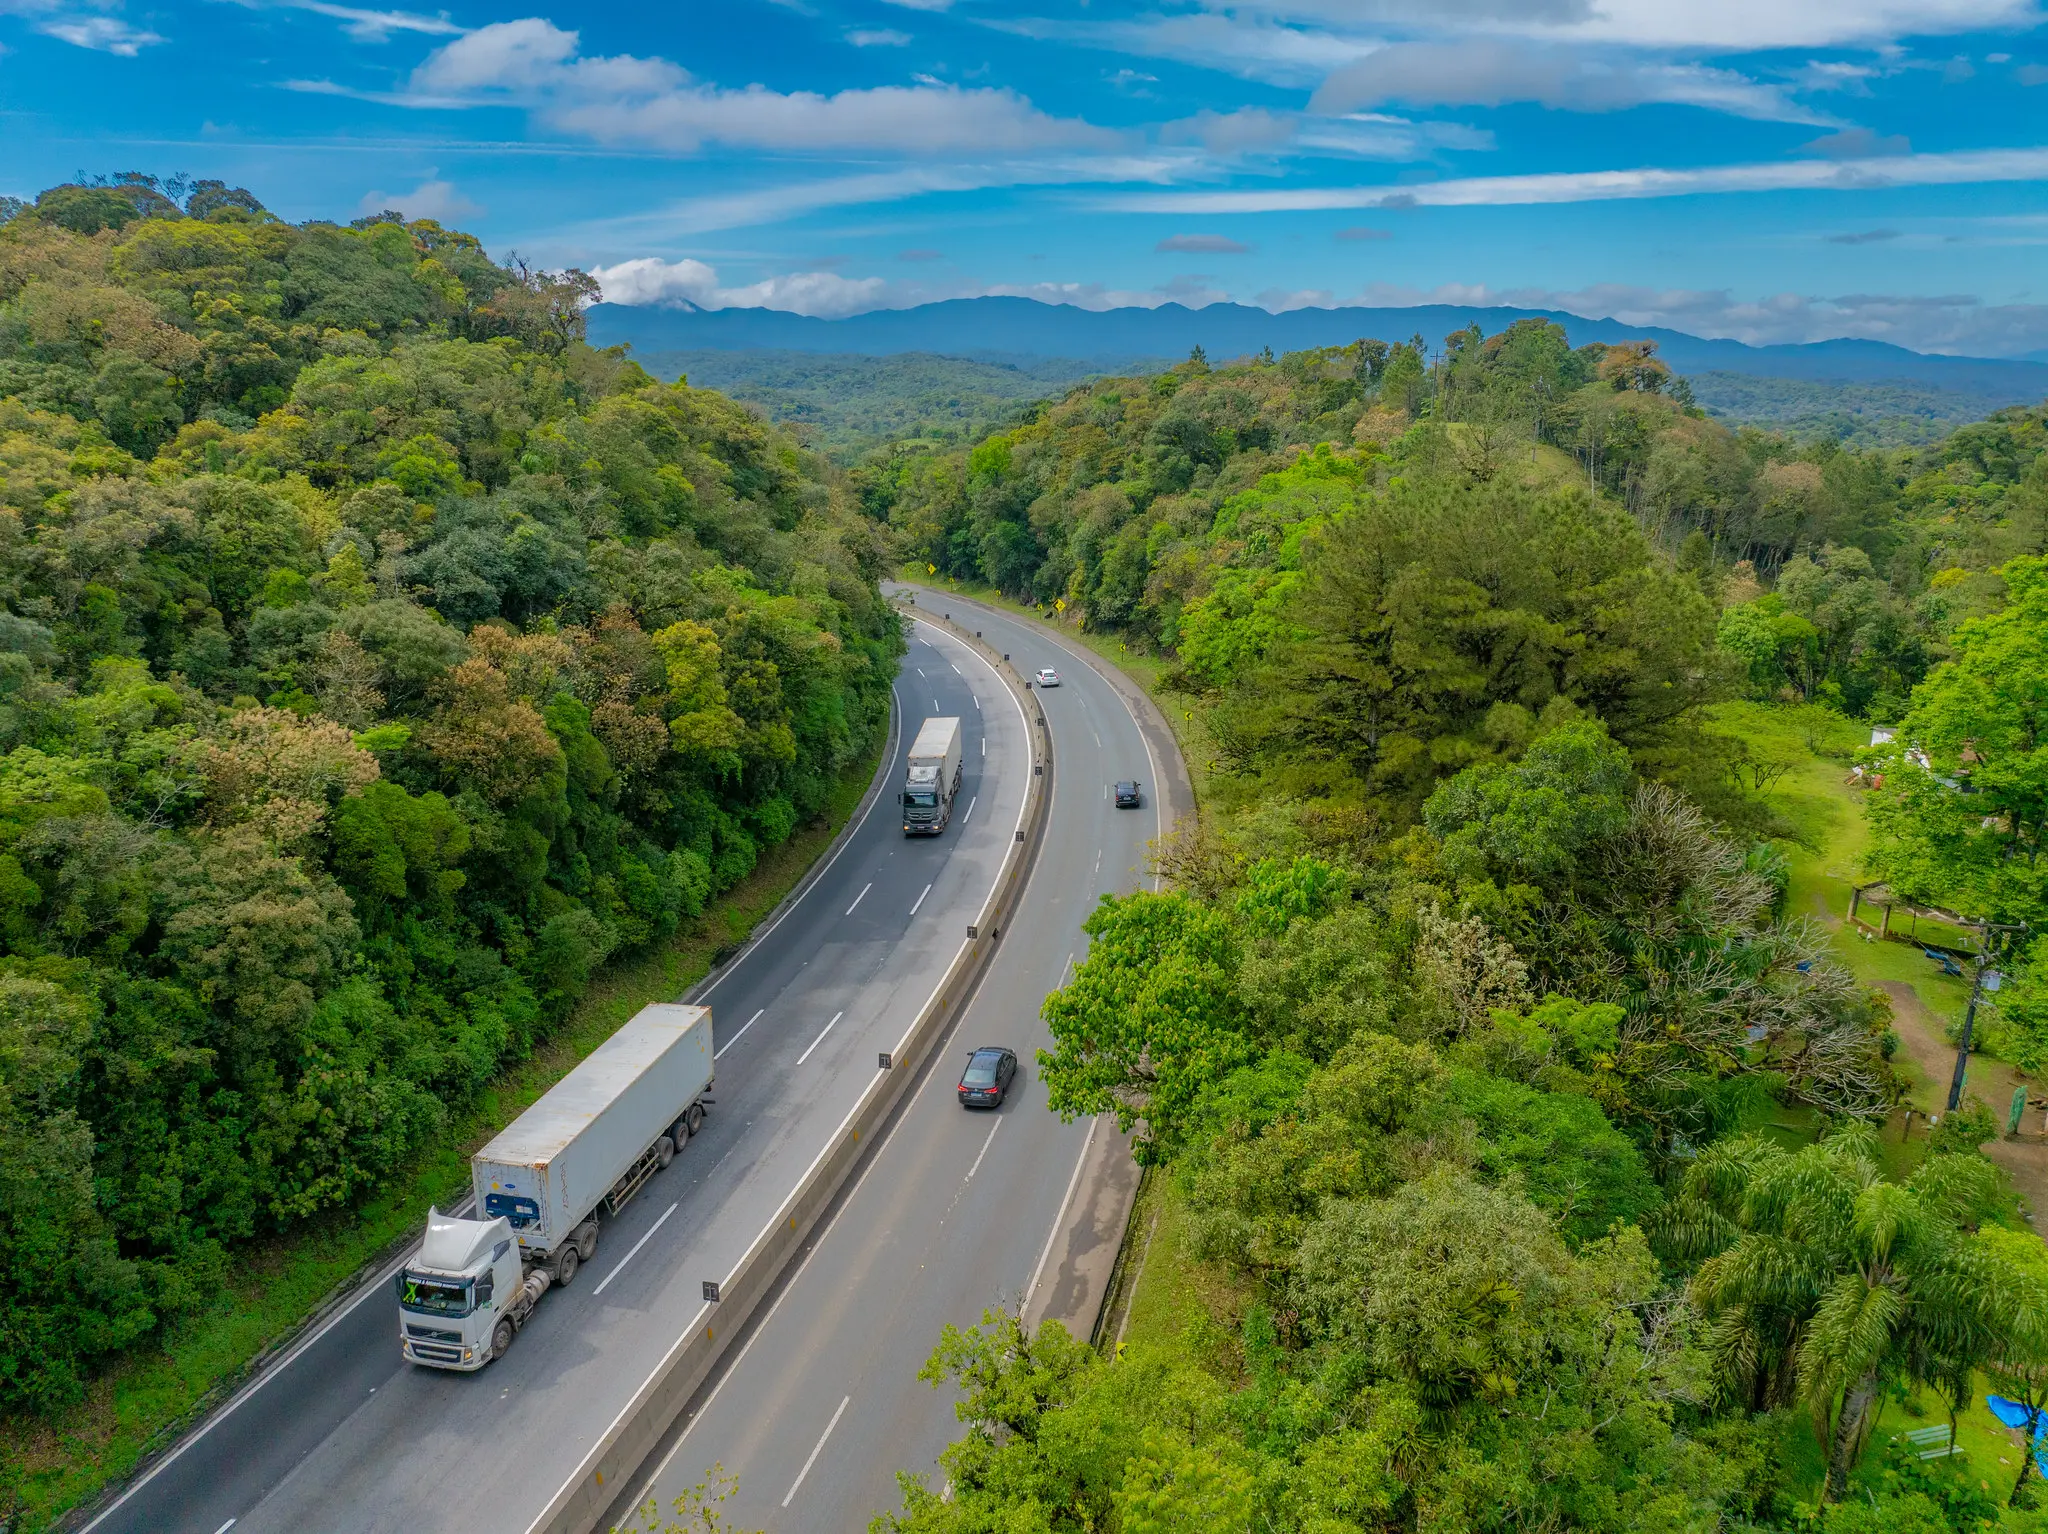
971 803
223 1529
985 1144
920 899
793 1485
920 670
977 705
956 669
600 1289
1098 740
1098 869
1060 1219
817 1245
857 899
820 1038
846 840
935 705
728 1044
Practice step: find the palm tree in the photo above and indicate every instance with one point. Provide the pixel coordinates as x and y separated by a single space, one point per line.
1825 1280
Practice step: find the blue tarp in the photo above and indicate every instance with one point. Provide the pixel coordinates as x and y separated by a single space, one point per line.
2014 1415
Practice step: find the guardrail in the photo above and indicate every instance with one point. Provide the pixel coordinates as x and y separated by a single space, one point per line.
579 1506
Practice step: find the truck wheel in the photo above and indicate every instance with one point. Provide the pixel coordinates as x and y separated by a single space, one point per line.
693 1119
586 1239
501 1338
664 1151
566 1265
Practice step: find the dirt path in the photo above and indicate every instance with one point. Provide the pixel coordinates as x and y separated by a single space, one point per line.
1925 1042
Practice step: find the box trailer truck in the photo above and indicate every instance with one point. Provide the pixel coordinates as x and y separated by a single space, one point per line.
932 779
542 1185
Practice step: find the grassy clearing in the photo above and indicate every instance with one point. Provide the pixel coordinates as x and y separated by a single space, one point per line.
1178 1301
143 1402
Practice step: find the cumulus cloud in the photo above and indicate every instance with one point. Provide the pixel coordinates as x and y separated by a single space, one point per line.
430 199
1203 245
1280 300
627 100
693 284
1492 71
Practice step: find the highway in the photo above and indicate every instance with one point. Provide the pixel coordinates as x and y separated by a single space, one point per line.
341 1434
954 1210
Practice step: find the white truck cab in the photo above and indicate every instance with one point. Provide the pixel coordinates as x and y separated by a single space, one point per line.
461 1299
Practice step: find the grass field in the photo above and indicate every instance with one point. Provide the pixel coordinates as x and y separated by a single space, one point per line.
147 1399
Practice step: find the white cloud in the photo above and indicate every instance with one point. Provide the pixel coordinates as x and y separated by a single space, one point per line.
430 199
1250 48
1736 26
1280 300
628 100
1966 167
101 33
367 26
879 37
1491 71
651 280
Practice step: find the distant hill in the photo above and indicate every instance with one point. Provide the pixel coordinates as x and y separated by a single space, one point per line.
847 402
973 326
1894 414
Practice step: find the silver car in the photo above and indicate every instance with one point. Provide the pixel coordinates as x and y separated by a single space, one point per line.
1047 677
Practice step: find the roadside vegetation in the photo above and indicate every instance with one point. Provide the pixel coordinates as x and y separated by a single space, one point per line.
1522 1128
378 664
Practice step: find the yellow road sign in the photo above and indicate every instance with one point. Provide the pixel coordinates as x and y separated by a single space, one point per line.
931 569
1059 604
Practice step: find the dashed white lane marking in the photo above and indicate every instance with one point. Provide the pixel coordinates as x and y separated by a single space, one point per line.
815 1452
820 1038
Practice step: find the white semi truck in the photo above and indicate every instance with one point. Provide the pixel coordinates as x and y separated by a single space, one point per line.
932 779
584 1149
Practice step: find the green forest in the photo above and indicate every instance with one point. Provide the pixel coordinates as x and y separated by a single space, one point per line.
379 659
1540 1164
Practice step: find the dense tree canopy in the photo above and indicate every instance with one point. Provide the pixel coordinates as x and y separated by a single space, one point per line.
376 659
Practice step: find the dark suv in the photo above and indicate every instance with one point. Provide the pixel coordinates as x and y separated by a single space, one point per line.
1127 796
986 1080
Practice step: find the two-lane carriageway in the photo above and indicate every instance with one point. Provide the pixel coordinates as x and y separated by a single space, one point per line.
341 1434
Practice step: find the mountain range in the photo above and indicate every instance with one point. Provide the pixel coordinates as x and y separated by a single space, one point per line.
1022 327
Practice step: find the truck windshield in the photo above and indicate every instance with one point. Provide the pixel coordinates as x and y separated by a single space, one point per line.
434 1296
923 798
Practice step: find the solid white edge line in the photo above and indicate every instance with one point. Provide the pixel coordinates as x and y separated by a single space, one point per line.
820 1038
1060 1219
857 899
985 1144
816 1449
895 734
621 1265
920 899
375 1286
817 1245
971 803
728 1044
832 1140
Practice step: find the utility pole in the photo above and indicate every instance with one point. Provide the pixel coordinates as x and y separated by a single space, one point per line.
1988 941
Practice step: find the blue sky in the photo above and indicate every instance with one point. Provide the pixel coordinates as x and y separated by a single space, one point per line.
1773 170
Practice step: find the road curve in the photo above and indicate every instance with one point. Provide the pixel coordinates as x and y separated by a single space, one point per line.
954 1210
343 1435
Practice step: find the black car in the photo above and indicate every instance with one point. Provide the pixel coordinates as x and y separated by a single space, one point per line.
1127 797
986 1080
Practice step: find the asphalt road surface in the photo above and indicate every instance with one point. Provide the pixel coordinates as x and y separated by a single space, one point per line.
954 1210
344 1435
